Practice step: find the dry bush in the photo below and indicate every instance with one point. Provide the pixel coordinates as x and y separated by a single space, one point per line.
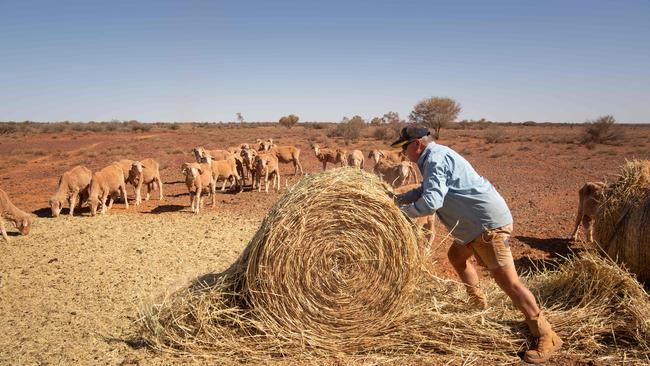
388 132
349 129
289 121
494 136
603 130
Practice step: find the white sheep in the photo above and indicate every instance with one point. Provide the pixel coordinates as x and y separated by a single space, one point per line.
145 171
72 189
22 220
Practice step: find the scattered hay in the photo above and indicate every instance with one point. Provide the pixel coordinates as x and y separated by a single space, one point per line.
622 224
336 272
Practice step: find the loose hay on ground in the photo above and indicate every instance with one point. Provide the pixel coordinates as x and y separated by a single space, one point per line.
336 270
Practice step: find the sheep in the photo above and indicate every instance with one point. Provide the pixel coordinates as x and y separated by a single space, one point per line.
198 179
248 162
107 183
288 154
72 188
325 155
426 222
200 153
265 146
125 165
267 165
394 156
22 220
589 198
355 159
226 169
145 171
396 174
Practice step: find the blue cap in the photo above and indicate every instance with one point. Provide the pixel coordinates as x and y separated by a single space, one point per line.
409 134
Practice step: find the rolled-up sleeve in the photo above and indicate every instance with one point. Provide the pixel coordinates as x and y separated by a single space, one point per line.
433 191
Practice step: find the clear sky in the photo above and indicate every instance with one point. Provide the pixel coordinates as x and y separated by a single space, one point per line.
157 60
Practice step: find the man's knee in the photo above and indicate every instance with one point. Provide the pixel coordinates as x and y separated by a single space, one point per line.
458 255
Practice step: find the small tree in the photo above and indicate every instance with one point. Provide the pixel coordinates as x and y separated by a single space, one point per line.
289 121
391 117
349 128
376 121
602 130
240 118
435 113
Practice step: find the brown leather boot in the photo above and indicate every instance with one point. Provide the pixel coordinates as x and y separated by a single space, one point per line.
548 342
477 298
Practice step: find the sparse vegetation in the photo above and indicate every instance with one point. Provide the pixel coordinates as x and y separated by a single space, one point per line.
603 130
350 129
494 136
289 121
435 113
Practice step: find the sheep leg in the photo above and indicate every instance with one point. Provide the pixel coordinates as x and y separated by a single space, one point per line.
324 165
160 188
110 203
138 193
123 192
586 223
150 187
213 194
4 231
299 166
266 181
223 186
73 202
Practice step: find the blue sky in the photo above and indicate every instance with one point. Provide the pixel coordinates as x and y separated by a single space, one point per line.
562 61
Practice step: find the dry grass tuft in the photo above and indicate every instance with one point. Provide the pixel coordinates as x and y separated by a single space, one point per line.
622 225
336 271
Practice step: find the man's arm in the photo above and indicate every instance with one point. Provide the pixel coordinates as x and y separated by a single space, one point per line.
433 191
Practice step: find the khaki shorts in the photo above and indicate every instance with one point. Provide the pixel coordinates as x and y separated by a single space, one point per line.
492 248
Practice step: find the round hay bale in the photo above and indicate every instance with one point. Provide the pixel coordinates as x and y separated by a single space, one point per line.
622 224
334 262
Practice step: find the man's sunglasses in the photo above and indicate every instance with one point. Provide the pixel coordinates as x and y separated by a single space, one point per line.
406 145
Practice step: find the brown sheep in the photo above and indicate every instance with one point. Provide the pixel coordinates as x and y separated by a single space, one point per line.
22 220
589 198
394 156
200 153
248 162
266 165
72 189
355 159
426 222
198 179
226 170
265 146
107 183
288 154
395 174
325 155
146 171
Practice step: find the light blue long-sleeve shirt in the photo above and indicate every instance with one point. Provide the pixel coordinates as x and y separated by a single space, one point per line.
466 203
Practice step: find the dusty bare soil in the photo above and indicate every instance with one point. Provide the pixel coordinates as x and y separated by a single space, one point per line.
75 283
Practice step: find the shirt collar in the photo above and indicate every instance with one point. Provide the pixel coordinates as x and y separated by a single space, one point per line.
425 154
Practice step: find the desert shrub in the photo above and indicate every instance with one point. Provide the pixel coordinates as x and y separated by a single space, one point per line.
173 126
315 125
494 136
143 127
388 132
603 130
349 129
289 121
530 123
7 128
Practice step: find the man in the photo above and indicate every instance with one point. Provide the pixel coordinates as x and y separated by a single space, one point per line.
481 223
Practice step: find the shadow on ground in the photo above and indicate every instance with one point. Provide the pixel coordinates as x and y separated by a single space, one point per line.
166 208
557 248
